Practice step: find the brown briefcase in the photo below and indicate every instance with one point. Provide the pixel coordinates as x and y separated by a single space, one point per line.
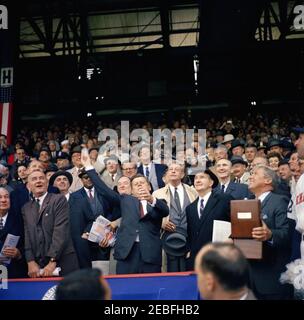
245 215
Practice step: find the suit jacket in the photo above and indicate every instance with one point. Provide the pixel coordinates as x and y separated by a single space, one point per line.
164 193
265 273
200 230
14 225
81 220
108 179
55 224
148 227
238 191
159 169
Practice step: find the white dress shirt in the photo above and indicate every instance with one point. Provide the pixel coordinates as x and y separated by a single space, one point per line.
149 168
41 199
88 191
263 196
67 196
205 198
180 191
226 185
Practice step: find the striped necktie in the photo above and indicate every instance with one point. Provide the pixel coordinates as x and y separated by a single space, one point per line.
1 223
201 209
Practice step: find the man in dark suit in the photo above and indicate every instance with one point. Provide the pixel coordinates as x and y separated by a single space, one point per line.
81 217
138 246
274 234
48 243
238 191
152 171
89 202
10 223
209 206
222 273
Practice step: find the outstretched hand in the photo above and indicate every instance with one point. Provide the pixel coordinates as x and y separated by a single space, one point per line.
85 159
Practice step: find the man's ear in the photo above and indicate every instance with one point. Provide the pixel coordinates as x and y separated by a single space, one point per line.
210 282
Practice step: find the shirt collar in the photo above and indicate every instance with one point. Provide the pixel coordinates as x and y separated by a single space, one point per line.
4 218
88 190
179 188
41 199
263 196
205 197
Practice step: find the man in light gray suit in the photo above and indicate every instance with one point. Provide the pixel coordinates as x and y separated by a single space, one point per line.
48 242
112 172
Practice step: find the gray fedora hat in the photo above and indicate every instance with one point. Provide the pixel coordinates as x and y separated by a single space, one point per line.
174 243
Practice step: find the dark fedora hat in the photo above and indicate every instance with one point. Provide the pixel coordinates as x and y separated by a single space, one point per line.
51 168
213 177
174 243
261 145
61 173
238 159
274 143
76 149
94 148
63 155
237 143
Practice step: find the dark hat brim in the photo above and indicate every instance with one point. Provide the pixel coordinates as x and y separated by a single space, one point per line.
61 173
174 243
213 177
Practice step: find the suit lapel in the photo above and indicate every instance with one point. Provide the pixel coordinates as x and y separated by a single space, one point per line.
266 200
44 205
212 201
230 188
194 211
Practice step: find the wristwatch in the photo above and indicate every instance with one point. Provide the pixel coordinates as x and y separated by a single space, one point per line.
53 260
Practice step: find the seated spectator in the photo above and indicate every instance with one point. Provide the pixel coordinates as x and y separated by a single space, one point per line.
112 172
63 161
21 159
274 159
86 284
222 273
129 169
275 145
238 169
284 171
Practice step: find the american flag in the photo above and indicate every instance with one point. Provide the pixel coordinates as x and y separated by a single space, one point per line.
6 110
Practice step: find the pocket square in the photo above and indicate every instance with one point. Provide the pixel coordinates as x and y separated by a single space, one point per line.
265 216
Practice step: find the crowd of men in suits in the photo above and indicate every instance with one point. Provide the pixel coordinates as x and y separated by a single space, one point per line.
162 213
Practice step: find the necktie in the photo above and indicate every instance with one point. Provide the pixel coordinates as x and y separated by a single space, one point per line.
37 201
1 223
177 201
112 175
91 194
141 210
147 173
237 180
223 188
201 208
